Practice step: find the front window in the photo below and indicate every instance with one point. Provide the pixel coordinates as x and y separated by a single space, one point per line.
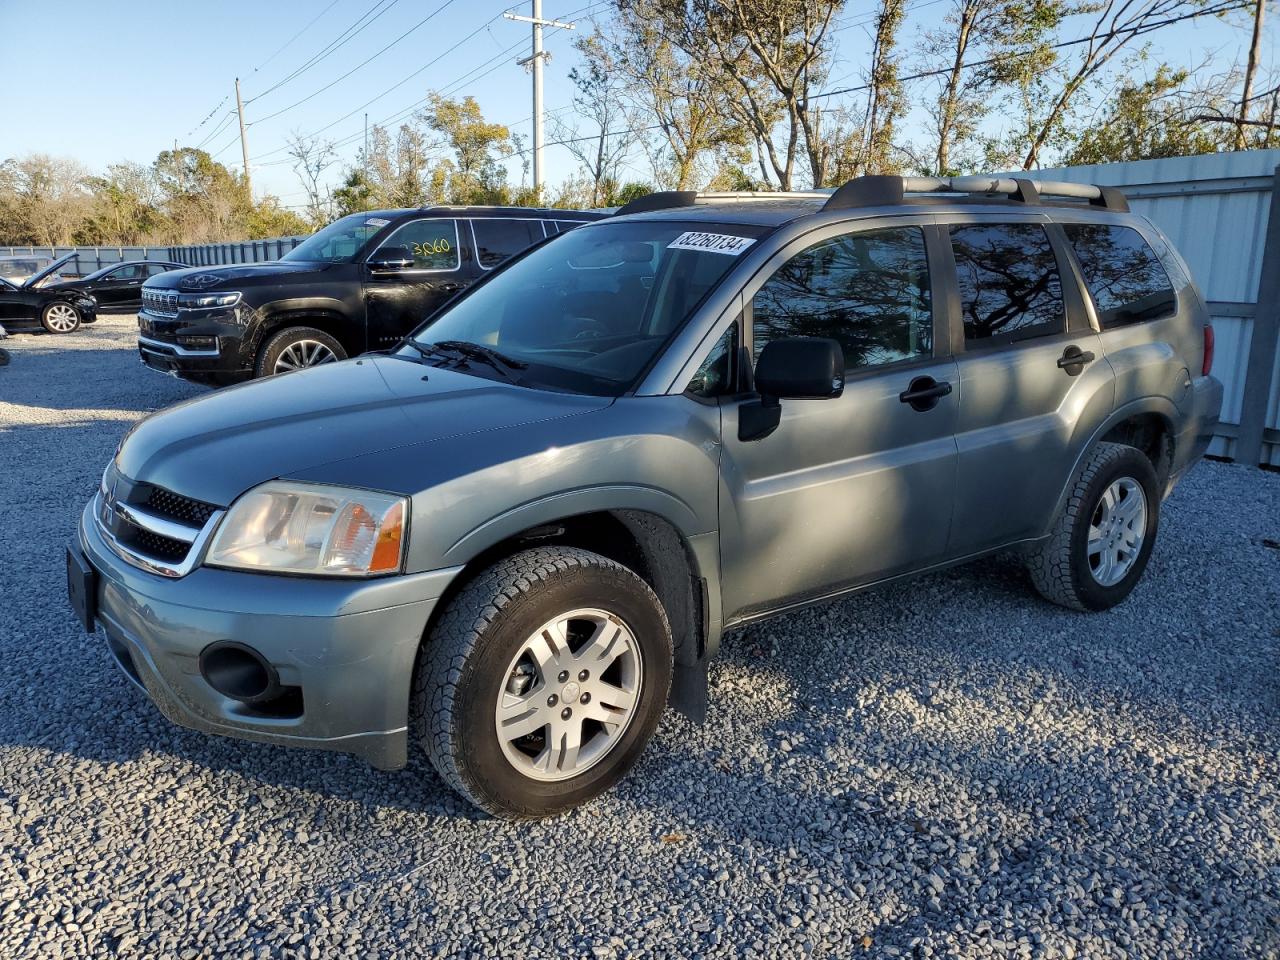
432 244
590 311
868 291
340 241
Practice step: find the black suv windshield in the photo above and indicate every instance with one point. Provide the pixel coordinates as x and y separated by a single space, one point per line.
589 311
340 240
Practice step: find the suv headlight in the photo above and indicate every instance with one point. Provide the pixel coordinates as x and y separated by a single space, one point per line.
209 299
286 527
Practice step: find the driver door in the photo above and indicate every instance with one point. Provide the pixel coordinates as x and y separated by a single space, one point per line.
398 300
856 488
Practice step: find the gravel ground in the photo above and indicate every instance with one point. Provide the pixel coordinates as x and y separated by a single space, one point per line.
947 767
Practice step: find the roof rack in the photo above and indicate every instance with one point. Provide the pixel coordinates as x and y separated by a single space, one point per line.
668 199
878 191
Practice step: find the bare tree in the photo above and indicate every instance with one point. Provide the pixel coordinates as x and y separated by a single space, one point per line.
600 101
770 57
884 90
312 157
672 90
1115 25
1255 52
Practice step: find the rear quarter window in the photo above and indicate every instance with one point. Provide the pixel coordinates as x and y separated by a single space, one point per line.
1125 278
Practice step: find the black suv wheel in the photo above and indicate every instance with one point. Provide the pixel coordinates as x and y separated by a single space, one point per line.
295 348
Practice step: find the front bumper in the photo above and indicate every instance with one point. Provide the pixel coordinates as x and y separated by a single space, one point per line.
223 360
347 646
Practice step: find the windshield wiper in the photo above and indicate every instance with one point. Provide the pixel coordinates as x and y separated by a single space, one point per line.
460 351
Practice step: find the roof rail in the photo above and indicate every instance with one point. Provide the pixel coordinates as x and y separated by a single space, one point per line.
668 199
876 191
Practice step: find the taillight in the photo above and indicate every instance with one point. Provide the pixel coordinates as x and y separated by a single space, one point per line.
1207 364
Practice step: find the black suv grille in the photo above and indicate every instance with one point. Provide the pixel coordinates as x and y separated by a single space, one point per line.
154 545
194 513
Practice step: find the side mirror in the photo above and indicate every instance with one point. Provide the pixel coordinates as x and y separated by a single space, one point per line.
801 368
391 258
797 368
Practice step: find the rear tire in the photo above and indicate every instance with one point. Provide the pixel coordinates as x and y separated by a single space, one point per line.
296 348
518 649
1102 540
60 317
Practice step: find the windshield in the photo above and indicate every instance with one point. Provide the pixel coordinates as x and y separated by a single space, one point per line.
340 240
589 310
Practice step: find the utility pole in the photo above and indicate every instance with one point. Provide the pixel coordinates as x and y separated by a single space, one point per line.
244 144
365 156
535 60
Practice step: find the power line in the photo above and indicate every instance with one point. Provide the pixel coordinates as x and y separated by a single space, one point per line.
400 83
227 118
361 23
281 49
331 83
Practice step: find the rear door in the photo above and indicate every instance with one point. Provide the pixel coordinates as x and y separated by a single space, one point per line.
396 301
856 488
1031 370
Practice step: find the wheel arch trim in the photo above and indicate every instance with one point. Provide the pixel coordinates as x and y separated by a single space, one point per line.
1161 407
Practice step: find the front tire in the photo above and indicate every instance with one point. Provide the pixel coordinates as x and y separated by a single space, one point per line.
1103 538
59 317
296 348
543 681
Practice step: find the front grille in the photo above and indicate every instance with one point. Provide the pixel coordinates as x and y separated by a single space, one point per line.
152 527
154 545
163 303
194 513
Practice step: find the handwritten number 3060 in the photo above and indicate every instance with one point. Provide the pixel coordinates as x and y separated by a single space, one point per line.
431 247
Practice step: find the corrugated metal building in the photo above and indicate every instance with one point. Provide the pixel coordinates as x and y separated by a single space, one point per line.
1217 211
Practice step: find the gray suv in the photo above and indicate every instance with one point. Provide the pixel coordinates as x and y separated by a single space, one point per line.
518 535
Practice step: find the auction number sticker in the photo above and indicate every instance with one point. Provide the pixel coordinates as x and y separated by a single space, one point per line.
376 222
710 243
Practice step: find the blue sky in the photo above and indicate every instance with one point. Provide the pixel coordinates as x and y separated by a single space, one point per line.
131 77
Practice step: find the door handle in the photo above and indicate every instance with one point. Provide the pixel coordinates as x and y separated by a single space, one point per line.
923 393
1073 360
449 286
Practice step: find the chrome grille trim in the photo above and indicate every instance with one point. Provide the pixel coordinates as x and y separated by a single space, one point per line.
157 524
163 303
156 565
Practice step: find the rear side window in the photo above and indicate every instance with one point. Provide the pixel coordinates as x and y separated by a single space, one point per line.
1123 274
496 240
1010 288
868 291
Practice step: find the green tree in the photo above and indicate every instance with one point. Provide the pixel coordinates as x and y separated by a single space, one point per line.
1148 120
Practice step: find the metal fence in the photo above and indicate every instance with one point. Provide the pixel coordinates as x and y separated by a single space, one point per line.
89 259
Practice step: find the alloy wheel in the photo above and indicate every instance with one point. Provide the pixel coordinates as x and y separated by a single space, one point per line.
303 353
570 693
62 318
1116 531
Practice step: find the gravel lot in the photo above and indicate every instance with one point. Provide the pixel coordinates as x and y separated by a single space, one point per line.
948 767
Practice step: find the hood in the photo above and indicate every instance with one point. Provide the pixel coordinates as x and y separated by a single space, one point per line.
237 275
218 446
39 275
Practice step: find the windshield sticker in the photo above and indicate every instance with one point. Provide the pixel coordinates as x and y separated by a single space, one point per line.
376 222
711 243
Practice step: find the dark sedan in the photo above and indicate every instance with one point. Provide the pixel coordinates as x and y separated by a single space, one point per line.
118 287
57 309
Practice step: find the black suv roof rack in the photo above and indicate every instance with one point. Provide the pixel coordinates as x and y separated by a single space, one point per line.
879 191
667 199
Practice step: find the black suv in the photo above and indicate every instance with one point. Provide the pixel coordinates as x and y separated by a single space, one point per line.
360 284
